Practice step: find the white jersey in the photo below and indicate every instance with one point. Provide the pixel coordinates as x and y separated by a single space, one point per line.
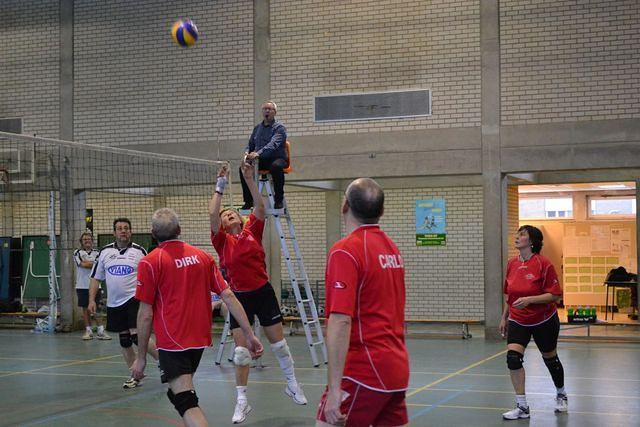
83 273
119 269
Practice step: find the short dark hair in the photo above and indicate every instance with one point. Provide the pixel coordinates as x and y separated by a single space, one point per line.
535 237
122 219
366 200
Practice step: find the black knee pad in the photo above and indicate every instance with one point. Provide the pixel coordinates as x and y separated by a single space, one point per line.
125 340
514 360
134 339
183 401
553 363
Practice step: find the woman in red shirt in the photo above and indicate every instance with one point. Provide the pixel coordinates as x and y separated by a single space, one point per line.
239 246
531 292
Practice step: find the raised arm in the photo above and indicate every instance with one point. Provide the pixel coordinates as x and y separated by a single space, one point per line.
248 171
216 200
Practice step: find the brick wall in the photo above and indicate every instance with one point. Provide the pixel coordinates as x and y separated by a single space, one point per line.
133 85
513 218
30 64
569 60
443 282
334 47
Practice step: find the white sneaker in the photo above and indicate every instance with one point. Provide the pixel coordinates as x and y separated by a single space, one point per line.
296 394
241 411
517 413
562 403
103 336
131 383
87 335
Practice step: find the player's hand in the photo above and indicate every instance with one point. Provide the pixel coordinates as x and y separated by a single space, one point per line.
255 346
92 307
247 171
223 172
137 369
332 408
521 303
503 327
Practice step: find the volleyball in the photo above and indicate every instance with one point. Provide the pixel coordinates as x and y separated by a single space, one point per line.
184 32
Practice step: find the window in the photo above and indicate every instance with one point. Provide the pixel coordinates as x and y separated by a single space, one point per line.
612 207
545 208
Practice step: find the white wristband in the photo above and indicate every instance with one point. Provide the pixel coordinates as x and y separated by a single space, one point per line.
220 184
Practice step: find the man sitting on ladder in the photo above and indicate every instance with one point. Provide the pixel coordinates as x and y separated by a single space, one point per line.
267 144
239 246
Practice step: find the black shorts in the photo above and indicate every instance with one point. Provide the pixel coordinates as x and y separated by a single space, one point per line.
262 303
123 318
83 297
176 363
545 334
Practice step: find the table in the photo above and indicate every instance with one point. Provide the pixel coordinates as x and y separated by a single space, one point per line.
614 285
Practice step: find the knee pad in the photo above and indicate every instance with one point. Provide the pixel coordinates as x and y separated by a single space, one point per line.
514 360
281 348
134 339
183 401
241 356
125 340
553 363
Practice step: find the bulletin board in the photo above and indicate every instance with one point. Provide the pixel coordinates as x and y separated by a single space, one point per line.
590 250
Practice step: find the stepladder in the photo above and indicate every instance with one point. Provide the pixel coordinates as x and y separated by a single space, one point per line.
292 256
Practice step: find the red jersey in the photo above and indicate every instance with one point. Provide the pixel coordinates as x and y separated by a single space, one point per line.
177 280
365 280
535 276
242 256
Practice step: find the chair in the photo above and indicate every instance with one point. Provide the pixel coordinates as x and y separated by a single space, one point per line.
289 167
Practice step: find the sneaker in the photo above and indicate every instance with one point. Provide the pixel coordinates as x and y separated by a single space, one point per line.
562 403
278 205
246 206
87 335
131 383
296 393
241 411
517 413
103 336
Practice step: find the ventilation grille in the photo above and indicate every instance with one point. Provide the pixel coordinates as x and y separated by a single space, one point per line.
11 125
368 106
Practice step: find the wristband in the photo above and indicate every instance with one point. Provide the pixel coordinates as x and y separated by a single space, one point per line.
220 184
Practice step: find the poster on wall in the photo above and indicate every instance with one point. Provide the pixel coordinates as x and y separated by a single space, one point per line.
431 224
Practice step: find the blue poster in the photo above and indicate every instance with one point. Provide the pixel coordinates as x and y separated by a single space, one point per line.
431 222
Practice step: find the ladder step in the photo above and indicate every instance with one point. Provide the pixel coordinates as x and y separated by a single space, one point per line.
311 322
316 343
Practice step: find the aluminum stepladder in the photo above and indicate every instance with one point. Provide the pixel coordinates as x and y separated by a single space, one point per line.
297 273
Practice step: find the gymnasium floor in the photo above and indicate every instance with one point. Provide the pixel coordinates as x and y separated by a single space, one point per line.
62 381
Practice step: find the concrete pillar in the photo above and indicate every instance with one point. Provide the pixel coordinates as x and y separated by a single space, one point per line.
261 93
333 204
494 184
66 70
261 54
72 223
